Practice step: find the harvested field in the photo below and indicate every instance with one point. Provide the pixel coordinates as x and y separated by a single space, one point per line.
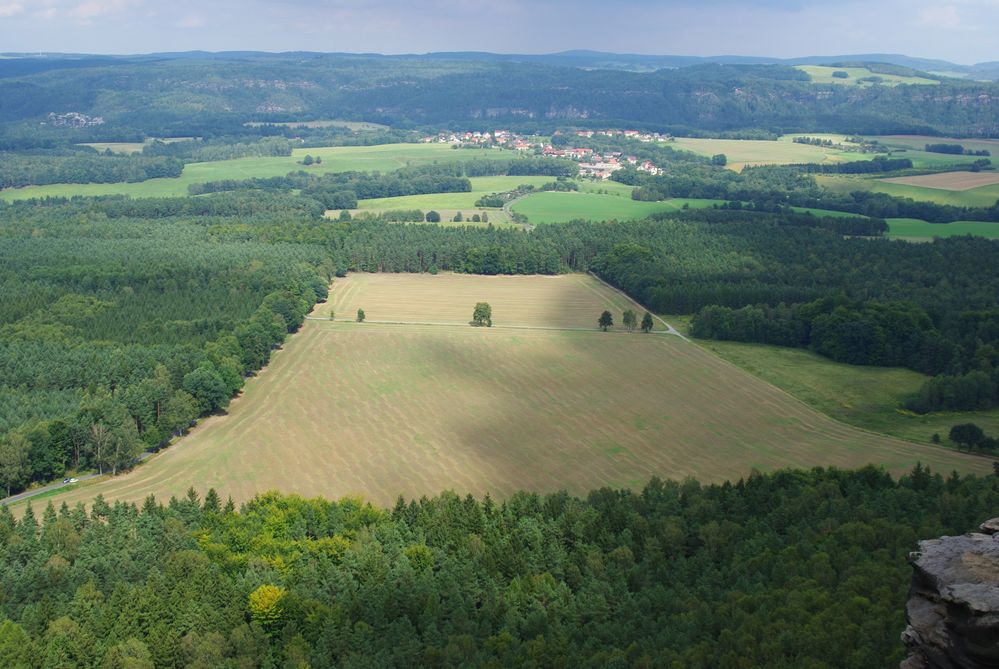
949 180
380 410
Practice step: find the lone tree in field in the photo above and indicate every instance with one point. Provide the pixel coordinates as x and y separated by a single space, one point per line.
483 315
307 160
647 322
433 217
629 319
605 321
332 315
360 315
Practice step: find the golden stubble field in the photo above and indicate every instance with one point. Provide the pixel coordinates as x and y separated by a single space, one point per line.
381 410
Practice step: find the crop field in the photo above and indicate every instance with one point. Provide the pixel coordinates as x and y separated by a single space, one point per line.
560 207
743 152
983 196
954 181
383 157
380 409
821 74
916 229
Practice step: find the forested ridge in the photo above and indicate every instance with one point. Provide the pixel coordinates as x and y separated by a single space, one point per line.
169 97
791 569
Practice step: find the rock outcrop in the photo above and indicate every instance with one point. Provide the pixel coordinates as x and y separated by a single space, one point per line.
953 607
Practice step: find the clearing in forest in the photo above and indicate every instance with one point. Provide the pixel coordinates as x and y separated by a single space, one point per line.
381 410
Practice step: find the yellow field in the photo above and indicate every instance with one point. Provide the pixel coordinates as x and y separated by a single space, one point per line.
379 409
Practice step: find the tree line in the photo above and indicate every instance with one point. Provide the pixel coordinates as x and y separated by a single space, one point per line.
789 569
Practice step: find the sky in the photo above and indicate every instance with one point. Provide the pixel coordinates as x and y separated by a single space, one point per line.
962 31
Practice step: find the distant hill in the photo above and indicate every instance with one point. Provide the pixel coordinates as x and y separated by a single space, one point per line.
17 64
127 98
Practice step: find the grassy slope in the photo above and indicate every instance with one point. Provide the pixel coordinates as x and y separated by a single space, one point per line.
385 157
381 410
868 397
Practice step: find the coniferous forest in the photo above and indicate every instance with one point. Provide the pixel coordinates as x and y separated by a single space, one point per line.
792 569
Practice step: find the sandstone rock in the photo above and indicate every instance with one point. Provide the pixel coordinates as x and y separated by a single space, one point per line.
953 607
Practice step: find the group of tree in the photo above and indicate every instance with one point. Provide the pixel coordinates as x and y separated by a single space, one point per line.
37 168
972 437
794 568
628 318
955 149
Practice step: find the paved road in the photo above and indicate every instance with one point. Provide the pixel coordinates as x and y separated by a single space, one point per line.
28 494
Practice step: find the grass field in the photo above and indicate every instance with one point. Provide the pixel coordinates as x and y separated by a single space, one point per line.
383 157
913 228
554 207
821 74
952 181
983 196
867 397
380 410
743 152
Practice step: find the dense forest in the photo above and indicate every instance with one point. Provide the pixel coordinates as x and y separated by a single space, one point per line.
193 97
792 569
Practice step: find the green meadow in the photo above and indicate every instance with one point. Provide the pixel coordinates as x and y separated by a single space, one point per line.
384 158
821 74
913 228
555 207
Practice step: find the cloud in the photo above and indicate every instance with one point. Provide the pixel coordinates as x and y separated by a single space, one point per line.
10 9
940 16
92 9
191 23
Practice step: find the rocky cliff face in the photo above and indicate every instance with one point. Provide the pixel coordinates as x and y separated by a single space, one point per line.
953 607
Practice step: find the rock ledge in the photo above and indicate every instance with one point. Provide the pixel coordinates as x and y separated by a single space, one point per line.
953 607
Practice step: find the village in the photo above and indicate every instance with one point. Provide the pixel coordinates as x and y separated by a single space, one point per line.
592 164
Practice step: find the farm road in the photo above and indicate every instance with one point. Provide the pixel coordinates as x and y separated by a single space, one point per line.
669 328
28 494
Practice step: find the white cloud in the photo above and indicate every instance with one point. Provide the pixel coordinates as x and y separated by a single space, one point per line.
191 22
940 16
10 9
92 9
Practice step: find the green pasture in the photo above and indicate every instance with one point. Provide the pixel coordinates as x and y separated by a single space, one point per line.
743 152
913 228
384 157
866 397
822 74
554 207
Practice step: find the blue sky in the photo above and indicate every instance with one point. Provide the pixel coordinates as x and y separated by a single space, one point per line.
964 31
